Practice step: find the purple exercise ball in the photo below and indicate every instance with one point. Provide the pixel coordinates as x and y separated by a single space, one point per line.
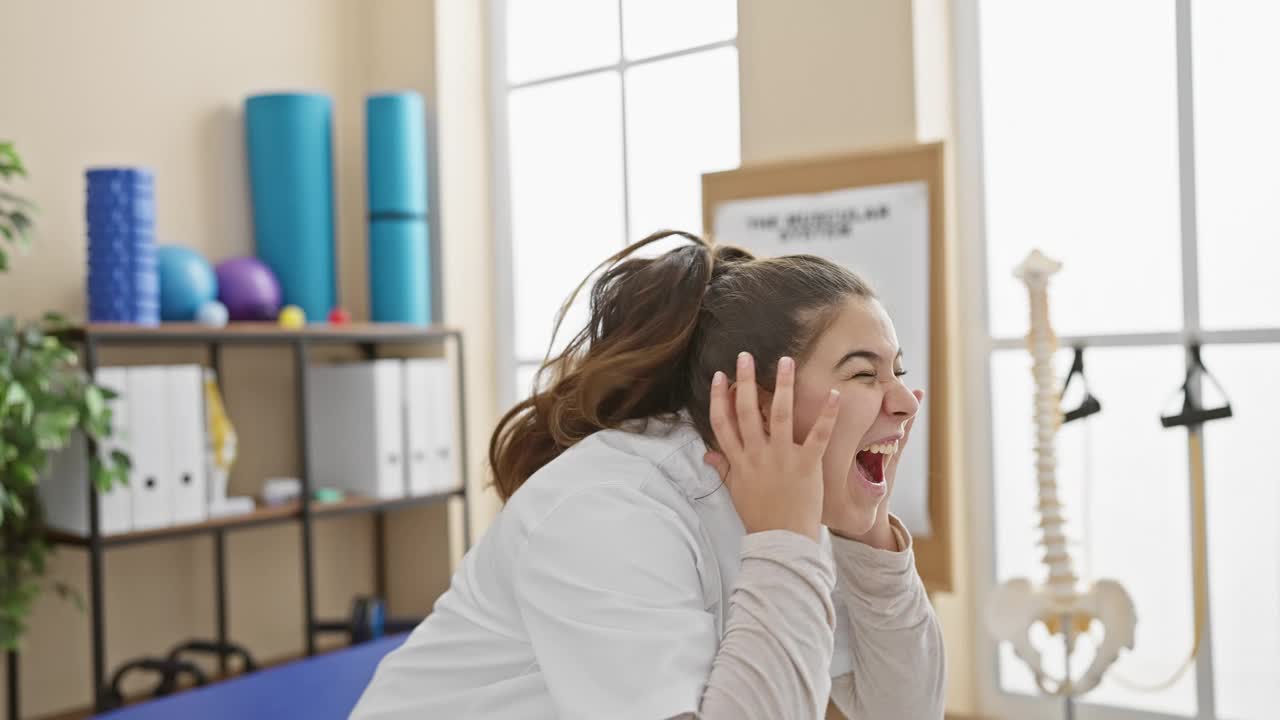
249 289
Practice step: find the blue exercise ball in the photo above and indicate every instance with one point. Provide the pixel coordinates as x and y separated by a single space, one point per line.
186 282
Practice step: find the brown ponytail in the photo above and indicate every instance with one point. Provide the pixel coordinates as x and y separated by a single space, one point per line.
658 328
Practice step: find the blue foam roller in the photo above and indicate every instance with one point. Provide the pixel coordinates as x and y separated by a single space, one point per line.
121 231
119 173
134 232
123 177
396 146
117 254
291 178
398 266
105 310
121 283
134 284
125 184
104 264
147 315
142 276
125 304
120 235
103 260
135 213
114 256
108 196
123 270
138 200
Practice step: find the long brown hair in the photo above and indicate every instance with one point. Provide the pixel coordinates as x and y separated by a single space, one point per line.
658 329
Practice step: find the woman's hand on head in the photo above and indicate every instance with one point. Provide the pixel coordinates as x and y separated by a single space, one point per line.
835 508
776 483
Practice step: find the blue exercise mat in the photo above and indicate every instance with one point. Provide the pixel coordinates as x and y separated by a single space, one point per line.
319 688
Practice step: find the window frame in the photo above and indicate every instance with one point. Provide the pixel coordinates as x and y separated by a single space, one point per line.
508 363
979 345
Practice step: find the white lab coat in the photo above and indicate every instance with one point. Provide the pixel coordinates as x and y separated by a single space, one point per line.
600 591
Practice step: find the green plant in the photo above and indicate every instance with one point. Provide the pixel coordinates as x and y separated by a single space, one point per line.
15 221
45 397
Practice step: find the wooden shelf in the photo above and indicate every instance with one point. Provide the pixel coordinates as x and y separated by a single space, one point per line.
254 333
355 503
262 515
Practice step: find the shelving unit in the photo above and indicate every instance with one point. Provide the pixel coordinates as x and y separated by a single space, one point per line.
370 338
262 515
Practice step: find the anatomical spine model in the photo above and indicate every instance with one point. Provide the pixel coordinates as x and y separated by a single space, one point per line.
1017 605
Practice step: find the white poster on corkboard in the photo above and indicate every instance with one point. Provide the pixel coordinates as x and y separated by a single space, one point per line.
881 232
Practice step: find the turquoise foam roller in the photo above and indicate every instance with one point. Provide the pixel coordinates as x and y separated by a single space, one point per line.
289 138
395 128
399 263
399 255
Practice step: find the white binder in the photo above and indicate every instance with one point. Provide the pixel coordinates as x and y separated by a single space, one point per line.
64 487
149 482
444 449
186 446
115 507
430 426
356 428
418 426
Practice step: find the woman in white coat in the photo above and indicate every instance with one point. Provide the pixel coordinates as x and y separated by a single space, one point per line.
697 515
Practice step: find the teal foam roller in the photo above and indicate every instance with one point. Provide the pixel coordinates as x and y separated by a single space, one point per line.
396 146
398 272
289 139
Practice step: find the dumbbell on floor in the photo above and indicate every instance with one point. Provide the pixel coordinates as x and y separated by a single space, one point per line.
216 649
167 669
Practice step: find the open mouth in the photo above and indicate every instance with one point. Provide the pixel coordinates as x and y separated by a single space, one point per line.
871 461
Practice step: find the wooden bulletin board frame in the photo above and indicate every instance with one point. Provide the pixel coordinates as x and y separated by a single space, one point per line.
915 163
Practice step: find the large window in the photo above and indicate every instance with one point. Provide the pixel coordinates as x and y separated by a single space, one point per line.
1135 141
608 113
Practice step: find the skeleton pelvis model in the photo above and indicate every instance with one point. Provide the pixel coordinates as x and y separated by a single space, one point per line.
1060 605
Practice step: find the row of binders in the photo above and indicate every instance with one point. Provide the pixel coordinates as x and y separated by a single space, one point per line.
384 428
158 419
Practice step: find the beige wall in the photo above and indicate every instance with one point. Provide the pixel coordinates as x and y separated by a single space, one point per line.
462 56
824 75
161 84
831 76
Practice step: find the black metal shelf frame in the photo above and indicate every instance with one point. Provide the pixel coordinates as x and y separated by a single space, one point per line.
300 342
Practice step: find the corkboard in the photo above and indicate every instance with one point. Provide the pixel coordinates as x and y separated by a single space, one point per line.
923 163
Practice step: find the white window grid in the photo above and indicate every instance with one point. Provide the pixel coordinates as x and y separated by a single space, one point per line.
979 346
507 360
